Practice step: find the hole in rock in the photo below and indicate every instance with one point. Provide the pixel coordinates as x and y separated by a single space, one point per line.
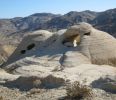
70 41
23 51
87 33
31 46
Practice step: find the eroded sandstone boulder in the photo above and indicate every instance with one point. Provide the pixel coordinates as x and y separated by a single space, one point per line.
57 59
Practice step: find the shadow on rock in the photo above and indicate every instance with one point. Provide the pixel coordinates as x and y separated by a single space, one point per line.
26 83
107 84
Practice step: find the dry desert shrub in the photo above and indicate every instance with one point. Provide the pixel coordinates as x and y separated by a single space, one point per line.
34 91
78 91
1 98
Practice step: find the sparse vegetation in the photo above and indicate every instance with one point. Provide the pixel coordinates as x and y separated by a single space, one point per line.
111 61
78 91
1 62
1 98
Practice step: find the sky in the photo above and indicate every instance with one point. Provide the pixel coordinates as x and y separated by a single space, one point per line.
22 8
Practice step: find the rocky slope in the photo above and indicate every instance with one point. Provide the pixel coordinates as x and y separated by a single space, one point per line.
106 21
13 30
70 18
102 20
32 22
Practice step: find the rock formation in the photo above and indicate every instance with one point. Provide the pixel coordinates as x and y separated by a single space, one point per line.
52 60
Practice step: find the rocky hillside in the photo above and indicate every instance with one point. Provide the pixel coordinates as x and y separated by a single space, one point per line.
18 24
105 21
70 18
49 21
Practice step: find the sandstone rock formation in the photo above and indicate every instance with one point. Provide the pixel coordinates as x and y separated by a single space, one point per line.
52 60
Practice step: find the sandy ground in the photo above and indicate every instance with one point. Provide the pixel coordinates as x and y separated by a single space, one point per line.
47 94
33 94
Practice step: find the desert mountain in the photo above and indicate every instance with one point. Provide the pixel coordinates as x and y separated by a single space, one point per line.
70 18
106 21
32 22
102 20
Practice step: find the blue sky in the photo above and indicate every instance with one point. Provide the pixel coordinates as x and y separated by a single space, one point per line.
21 8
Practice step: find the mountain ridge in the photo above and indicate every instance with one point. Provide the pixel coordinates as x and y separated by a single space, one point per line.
54 22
